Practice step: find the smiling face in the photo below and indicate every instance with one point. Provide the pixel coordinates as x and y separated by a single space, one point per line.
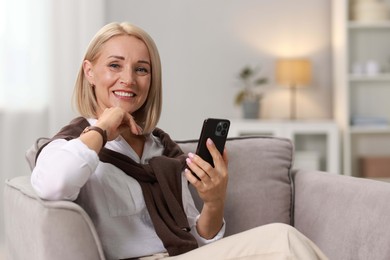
121 75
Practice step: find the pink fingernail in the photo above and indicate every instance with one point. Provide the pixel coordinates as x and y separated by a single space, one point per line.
209 141
188 160
191 155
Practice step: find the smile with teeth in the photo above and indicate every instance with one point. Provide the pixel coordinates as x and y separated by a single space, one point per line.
124 94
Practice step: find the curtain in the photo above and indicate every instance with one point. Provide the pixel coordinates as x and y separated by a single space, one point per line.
42 43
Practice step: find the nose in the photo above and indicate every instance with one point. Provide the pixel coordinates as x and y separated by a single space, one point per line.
127 77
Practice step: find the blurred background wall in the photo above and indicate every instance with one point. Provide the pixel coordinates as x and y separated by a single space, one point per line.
203 46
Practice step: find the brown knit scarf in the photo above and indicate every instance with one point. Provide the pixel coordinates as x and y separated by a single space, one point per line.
161 184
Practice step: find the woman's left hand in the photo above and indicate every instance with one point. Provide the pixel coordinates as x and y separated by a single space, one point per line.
211 186
211 183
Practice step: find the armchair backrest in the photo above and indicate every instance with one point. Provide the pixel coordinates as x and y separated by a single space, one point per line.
260 189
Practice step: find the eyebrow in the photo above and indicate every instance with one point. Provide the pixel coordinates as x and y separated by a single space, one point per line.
117 57
123 58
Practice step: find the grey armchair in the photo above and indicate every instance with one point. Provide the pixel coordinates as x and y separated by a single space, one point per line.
346 217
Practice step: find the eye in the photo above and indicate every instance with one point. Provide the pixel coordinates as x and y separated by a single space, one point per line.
114 65
142 71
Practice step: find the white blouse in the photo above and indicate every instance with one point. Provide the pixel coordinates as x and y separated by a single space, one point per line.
69 170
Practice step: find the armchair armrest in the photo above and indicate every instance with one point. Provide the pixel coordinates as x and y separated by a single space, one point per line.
347 217
38 229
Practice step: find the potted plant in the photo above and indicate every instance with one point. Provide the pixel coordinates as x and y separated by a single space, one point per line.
251 93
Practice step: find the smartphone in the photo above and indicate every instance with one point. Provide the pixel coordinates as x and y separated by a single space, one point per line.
217 130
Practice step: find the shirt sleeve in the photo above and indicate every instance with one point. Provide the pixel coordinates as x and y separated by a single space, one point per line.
62 169
193 216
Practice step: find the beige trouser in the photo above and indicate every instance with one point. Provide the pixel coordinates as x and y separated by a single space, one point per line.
273 241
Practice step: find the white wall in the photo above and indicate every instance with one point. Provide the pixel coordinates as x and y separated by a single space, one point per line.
203 45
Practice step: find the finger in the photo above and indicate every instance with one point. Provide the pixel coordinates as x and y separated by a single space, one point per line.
192 179
220 161
134 127
215 154
193 164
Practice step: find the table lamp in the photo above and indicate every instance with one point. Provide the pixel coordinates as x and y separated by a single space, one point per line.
293 73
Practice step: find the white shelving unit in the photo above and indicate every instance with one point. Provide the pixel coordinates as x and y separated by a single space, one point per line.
317 143
361 95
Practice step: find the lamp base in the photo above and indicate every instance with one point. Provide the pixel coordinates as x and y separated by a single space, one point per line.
293 101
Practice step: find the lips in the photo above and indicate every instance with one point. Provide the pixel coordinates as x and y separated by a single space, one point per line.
124 93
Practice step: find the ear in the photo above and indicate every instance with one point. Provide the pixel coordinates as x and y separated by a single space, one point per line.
88 71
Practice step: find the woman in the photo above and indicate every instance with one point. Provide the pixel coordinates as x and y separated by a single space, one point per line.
129 176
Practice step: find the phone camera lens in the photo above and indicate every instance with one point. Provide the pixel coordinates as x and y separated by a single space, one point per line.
221 128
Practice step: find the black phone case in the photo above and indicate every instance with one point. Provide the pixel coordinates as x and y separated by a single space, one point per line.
217 130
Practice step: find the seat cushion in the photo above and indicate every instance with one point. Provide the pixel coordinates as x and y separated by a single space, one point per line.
259 188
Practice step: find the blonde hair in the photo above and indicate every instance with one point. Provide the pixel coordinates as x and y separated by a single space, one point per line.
84 97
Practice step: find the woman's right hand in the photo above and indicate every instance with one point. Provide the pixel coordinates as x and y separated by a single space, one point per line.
115 121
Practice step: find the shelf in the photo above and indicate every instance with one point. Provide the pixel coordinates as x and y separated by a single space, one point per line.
313 139
369 25
361 78
370 129
361 100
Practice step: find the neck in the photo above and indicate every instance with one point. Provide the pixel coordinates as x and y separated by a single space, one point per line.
136 142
